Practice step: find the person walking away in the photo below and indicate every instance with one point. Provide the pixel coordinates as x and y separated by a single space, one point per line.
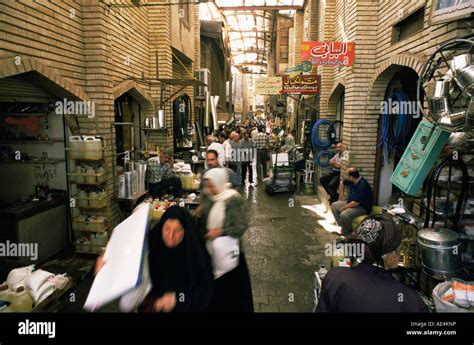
235 163
227 148
212 144
330 181
161 177
368 286
262 144
223 224
254 133
247 147
180 266
357 204
213 162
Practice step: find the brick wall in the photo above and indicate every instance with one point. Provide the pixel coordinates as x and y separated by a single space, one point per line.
369 24
93 49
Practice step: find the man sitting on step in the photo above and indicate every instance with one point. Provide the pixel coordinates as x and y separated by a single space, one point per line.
357 204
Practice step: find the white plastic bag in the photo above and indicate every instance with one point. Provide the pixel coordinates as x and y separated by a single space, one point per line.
225 254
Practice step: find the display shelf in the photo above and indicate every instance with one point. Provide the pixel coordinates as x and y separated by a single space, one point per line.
75 224
91 208
39 161
31 141
135 198
24 114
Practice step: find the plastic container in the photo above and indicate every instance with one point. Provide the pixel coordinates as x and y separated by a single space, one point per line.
157 213
93 199
92 148
78 176
100 175
22 302
82 200
96 224
90 176
102 238
187 180
76 147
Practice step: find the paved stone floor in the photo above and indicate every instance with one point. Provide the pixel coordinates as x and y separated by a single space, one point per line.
284 245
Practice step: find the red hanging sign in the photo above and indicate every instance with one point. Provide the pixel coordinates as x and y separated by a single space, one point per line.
328 53
301 84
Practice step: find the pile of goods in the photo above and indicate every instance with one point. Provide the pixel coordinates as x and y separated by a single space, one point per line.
454 296
26 288
159 206
189 180
92 244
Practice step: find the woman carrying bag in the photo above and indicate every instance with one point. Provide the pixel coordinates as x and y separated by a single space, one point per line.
223 222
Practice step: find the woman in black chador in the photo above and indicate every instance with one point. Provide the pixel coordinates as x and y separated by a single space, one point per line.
180 266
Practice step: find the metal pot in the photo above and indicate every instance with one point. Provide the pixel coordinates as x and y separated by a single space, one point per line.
152 122
440 252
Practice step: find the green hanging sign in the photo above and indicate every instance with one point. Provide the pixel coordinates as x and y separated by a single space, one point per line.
305 66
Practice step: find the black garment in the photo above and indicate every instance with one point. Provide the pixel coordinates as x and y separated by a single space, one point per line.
185 269
233 167
233 290
330 182
366 288
262 158
170 185
362 193
245 166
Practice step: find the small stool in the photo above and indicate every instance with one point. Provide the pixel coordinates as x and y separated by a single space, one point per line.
309 165
308 176
356 221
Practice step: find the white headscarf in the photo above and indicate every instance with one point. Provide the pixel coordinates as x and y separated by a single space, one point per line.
220 178
223 248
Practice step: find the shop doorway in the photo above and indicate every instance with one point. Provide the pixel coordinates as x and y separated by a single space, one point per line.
398 121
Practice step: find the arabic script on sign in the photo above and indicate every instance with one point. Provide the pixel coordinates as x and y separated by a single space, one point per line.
328 53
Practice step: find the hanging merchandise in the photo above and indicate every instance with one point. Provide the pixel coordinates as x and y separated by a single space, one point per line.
419 157
183 127
450 210
320 146
331 134
395 129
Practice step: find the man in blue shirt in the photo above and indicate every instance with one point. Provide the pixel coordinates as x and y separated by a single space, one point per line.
357 204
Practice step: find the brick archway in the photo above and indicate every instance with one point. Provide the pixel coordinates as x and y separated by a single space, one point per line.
42 75
384 73
138 92
376 93
336 92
